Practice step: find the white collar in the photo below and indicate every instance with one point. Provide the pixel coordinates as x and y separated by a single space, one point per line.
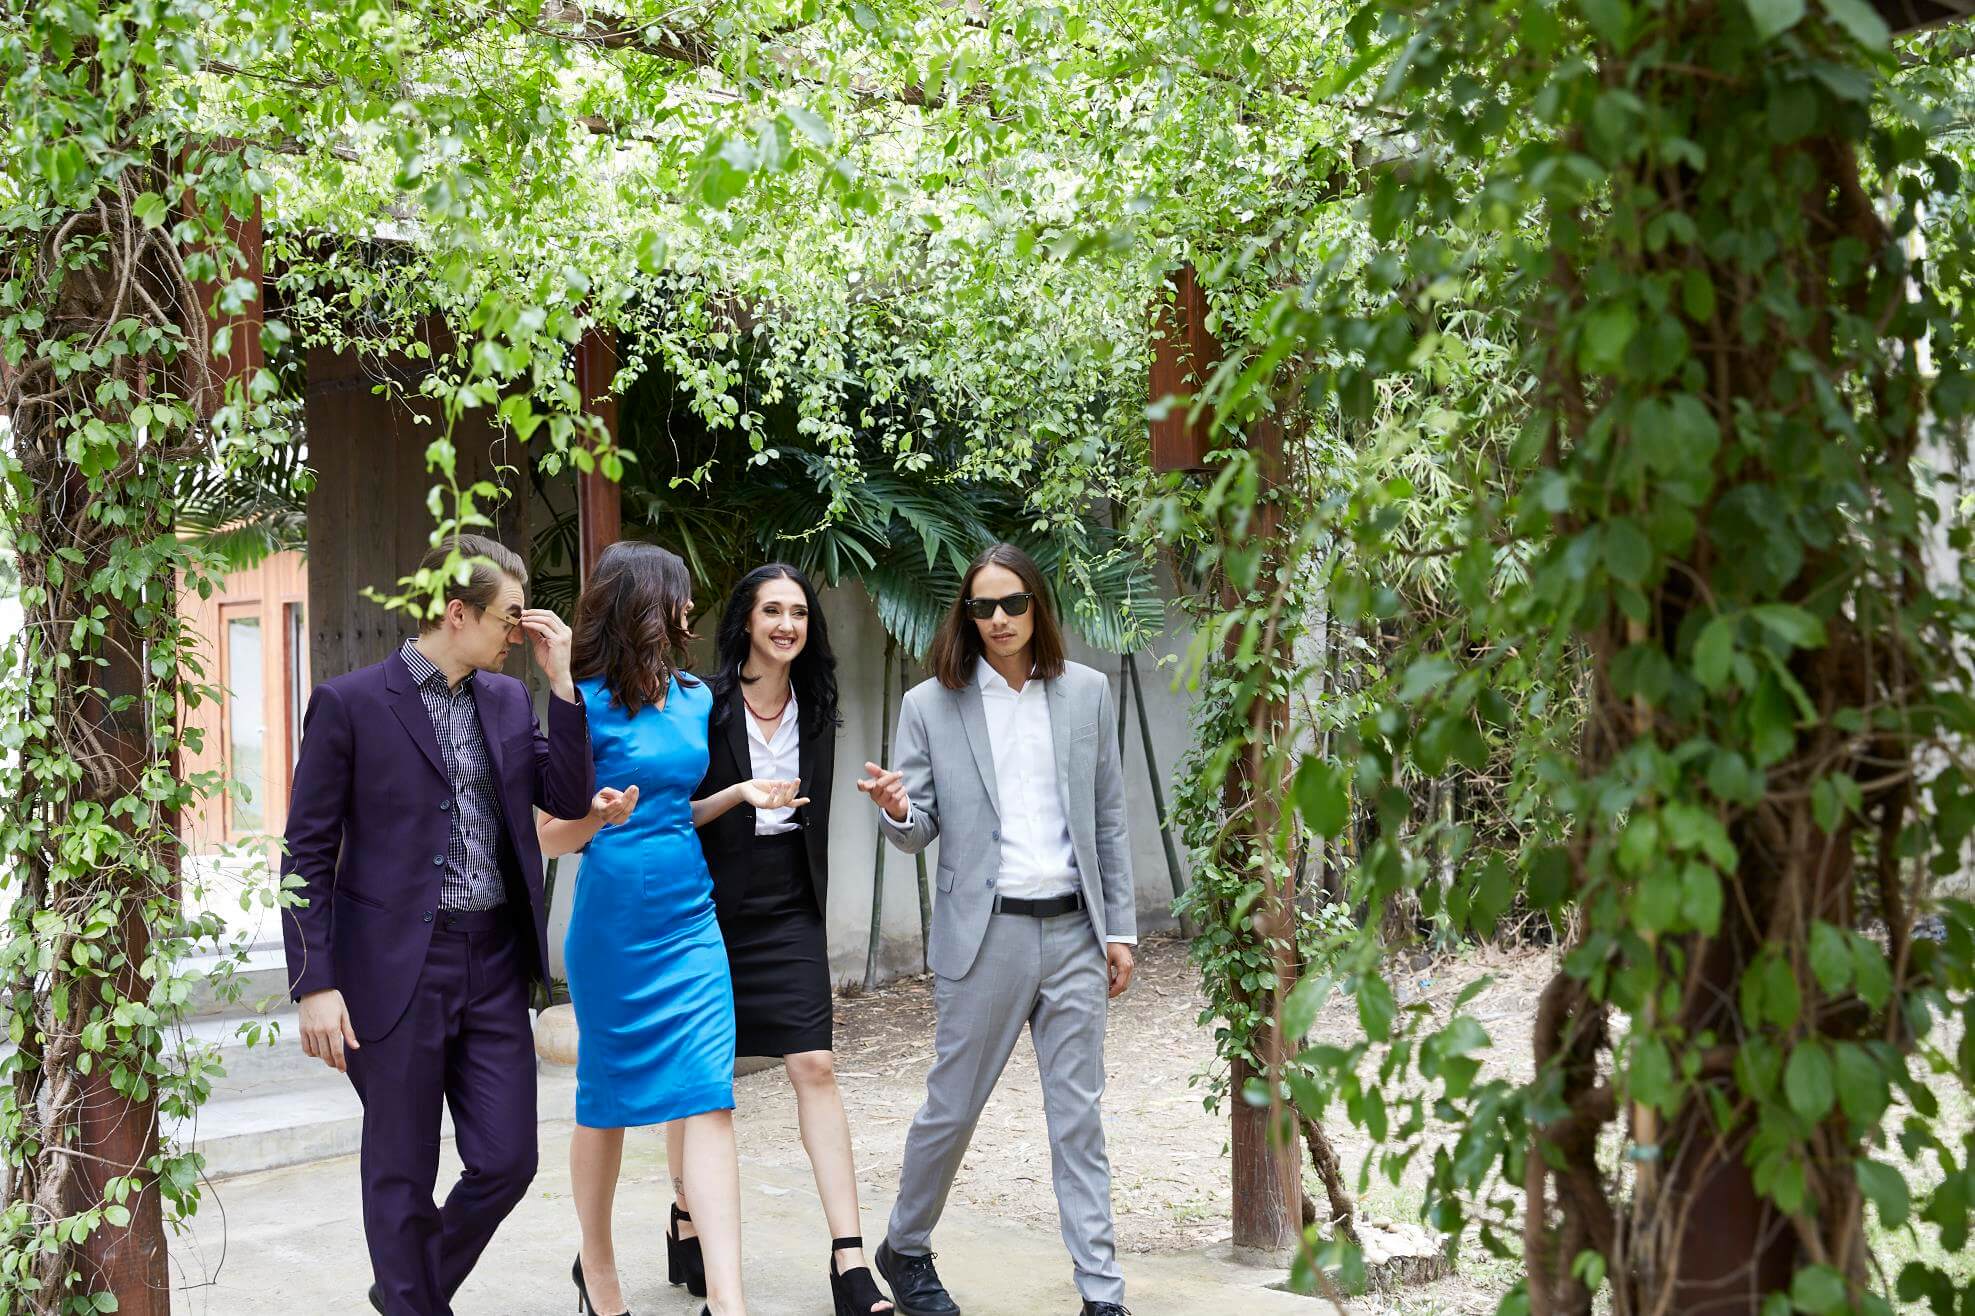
992 682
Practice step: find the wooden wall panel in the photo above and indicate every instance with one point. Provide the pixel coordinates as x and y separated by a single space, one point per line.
368 519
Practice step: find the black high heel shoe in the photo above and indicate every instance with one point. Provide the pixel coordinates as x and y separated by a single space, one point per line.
684 1262
854 1291
584 1307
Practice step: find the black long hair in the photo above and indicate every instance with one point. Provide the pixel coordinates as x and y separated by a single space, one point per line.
957 646
813 674
628 629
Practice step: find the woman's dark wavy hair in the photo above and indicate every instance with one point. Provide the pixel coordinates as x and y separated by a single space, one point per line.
628 627
814 672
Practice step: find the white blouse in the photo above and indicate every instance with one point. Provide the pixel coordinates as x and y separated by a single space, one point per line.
778 757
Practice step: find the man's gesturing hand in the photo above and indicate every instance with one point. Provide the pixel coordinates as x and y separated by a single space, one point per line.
326 1029
887 791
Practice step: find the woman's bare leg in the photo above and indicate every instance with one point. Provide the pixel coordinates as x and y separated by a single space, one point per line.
826 1137
595 1157
713 1185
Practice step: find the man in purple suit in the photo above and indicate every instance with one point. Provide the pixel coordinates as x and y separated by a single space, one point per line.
411 838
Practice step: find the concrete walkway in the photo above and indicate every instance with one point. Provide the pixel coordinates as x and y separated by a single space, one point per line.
290 1242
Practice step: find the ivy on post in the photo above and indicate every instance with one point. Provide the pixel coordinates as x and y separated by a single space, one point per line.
128 261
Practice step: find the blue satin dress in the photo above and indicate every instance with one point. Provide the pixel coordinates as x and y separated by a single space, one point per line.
647 968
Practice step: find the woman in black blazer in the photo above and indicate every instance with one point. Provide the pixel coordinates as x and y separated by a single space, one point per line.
775 705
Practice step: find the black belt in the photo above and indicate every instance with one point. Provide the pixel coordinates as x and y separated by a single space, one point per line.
472 920
1050 908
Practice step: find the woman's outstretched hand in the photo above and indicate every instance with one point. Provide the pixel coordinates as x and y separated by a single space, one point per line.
770 793
611 806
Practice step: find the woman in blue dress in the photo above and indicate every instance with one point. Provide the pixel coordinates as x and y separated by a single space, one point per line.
647 968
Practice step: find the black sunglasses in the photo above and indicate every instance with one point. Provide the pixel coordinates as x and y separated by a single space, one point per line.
1013 604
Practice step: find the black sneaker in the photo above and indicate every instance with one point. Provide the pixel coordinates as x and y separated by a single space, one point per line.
915 1286
1104 1308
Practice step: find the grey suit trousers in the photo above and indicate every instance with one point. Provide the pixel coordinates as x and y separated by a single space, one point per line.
1050 974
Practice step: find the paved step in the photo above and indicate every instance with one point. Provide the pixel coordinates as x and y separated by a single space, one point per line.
313 1118
262 982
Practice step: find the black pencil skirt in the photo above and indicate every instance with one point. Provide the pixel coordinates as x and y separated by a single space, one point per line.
778 955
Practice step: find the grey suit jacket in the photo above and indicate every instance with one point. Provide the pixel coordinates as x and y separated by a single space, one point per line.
948 765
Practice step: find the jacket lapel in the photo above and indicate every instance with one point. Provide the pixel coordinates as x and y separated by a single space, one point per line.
1061 726
483 700
737 750
806 757
973 717
411 712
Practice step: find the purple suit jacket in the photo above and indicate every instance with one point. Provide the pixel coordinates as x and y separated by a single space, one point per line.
371 810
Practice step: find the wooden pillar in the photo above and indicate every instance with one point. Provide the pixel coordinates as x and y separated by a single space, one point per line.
1184 354
599 505
1267 1162
1263 1145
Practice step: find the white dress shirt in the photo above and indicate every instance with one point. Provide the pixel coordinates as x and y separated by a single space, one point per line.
1038 858
778 757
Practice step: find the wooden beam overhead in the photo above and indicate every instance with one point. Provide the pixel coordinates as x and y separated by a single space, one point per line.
1911 15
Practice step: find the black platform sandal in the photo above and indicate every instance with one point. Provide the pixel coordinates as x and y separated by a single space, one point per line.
684 1262
855 1292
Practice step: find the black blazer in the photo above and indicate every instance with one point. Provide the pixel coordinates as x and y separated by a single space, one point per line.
729 839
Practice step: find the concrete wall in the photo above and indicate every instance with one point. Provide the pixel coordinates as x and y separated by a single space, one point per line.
854 843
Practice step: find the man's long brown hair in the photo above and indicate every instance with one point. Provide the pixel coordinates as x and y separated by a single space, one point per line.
628 625
957 647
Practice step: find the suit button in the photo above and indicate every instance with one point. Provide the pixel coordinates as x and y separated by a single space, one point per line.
997 834
428 916
990 884
446 807
438 860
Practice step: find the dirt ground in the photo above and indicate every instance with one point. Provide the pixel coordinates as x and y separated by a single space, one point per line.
1168 1154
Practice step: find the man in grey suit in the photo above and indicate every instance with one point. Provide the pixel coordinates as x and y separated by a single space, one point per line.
1010 755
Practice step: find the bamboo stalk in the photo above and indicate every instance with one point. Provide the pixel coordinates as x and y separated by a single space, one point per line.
1173 871
878 859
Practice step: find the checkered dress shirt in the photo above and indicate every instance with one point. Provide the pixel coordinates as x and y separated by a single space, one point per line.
472 879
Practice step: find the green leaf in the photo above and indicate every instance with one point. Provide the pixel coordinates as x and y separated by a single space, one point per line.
1714 652
1807 1080
1862 21
1424 676
1774 17
812 125
1887 1190
1376 1006
1862 1088
1321 797
1800 629
1700 898
1305 1000
1606 334
1628 553
1818 1289
151 210
1830 957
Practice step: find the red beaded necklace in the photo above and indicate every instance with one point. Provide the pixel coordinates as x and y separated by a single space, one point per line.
759 716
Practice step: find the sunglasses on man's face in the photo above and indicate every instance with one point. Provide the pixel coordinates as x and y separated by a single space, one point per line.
511 622
1012 604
